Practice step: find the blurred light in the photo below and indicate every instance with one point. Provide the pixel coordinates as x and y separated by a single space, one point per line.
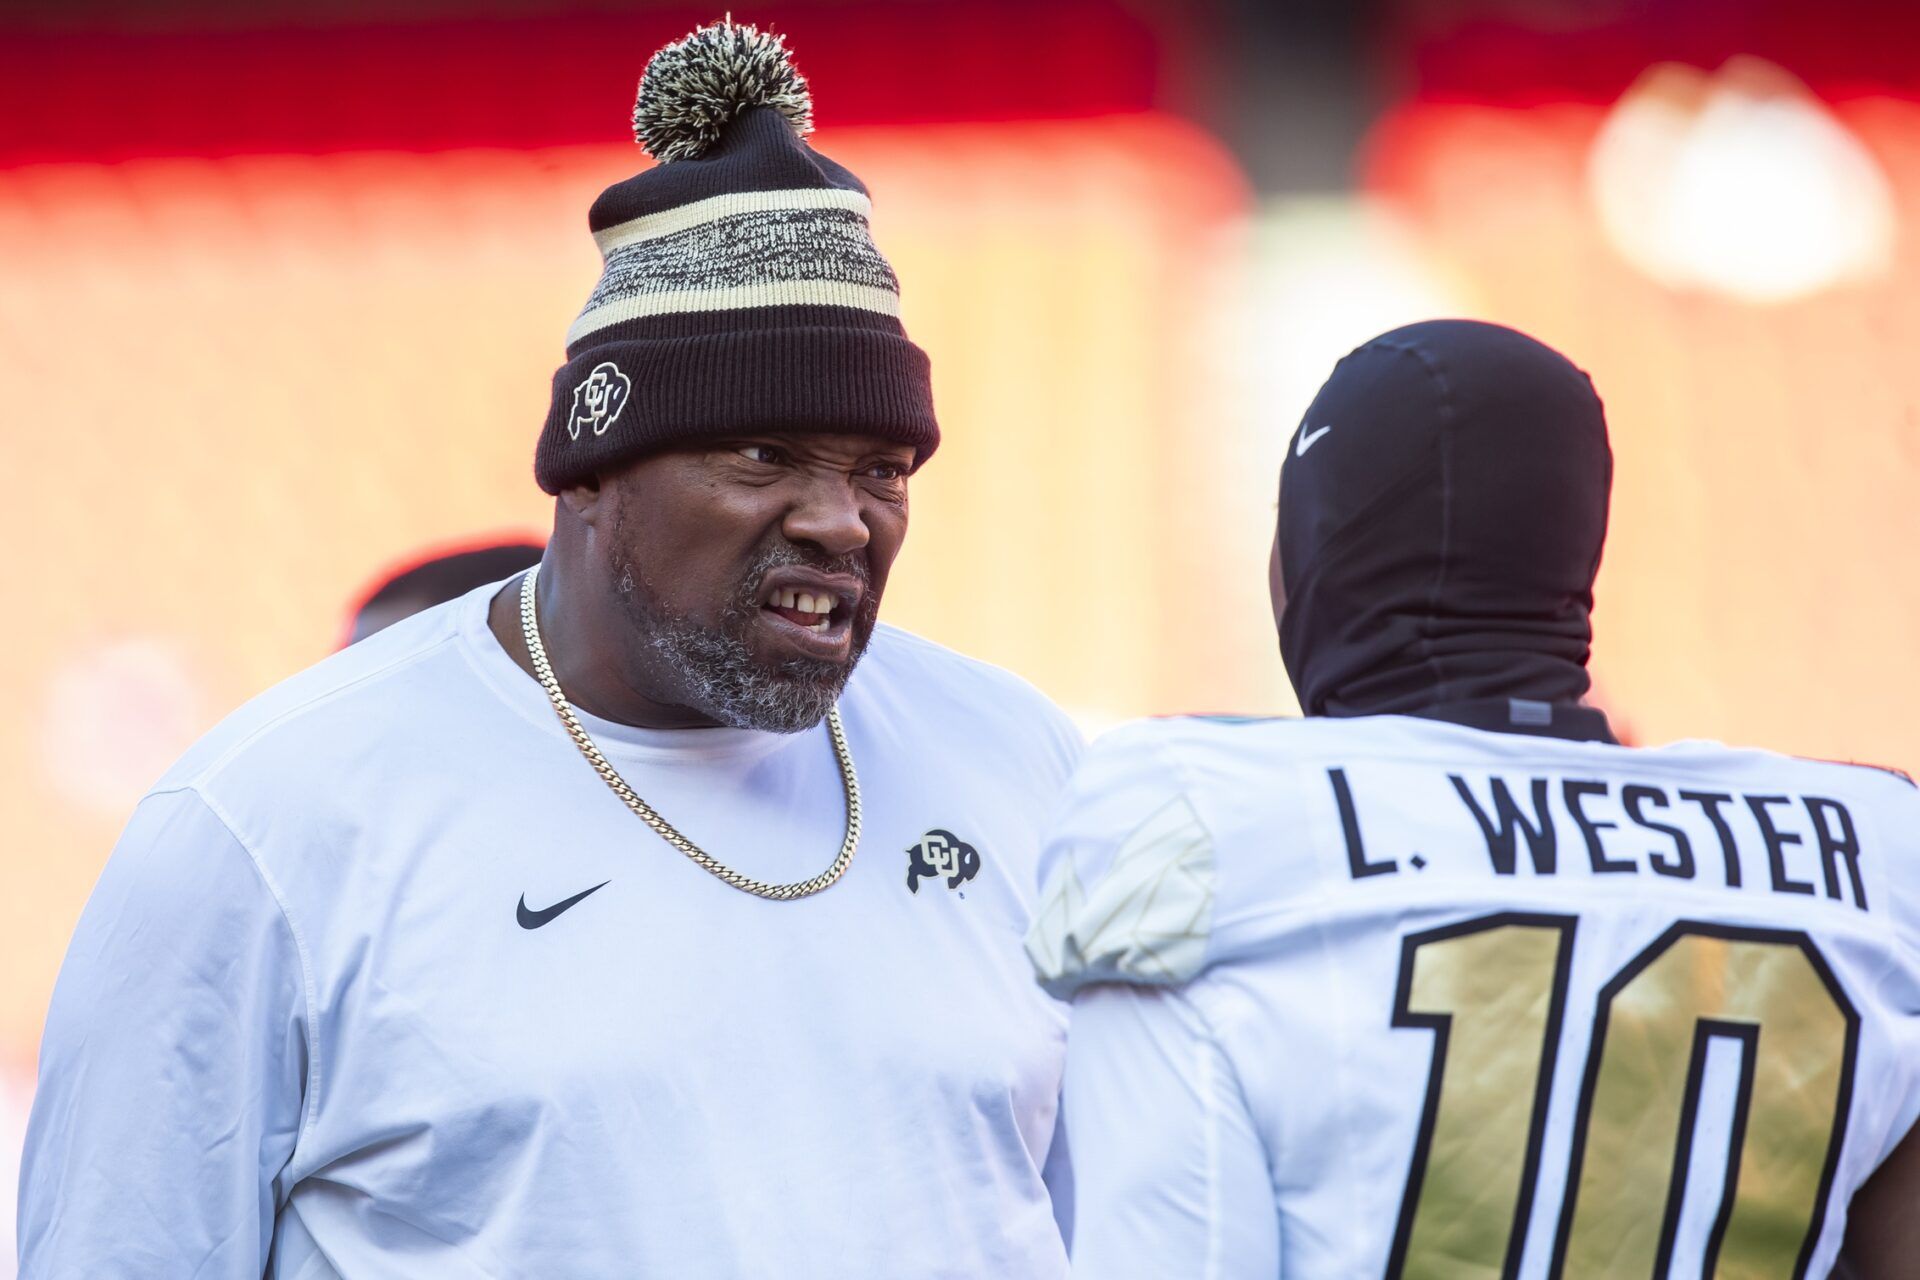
1332 273
1741 183
117 715
1327 274
1765 458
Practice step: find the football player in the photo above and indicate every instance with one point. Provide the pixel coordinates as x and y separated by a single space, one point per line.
1440 980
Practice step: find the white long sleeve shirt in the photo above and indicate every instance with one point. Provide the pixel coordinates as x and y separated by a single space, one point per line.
383 981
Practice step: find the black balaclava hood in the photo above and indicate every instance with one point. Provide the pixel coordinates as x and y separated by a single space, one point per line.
1442 510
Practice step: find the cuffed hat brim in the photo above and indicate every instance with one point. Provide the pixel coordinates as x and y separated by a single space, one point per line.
621 400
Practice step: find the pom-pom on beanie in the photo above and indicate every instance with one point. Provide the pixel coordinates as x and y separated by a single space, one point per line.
741 293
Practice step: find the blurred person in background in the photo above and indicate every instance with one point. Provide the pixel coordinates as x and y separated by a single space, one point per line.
527 937
434 580
1441 980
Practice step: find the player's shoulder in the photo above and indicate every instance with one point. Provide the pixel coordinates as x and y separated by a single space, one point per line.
1756 767
1131 879
338 709
1232 768
1883 803
901 670
1333 742
1239 737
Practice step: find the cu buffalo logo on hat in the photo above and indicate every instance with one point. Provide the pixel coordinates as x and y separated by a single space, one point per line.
598 400
941 853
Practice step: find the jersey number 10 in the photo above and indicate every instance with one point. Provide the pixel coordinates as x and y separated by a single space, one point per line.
1494 990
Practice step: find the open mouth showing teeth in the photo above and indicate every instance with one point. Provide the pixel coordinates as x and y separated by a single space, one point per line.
816 611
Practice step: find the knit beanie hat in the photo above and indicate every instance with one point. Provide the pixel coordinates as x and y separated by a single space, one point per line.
741 292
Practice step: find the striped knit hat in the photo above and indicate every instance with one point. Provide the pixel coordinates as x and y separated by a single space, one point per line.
742 292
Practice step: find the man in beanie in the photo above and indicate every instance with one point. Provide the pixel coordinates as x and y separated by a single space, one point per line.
1440 981
655 913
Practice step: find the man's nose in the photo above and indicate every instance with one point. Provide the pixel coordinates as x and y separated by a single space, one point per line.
829 516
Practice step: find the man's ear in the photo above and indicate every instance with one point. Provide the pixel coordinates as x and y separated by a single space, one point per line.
586 499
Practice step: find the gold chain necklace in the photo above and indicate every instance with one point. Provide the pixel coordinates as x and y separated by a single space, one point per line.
530 626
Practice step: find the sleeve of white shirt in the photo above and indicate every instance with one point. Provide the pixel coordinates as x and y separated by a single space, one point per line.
1171 1177
173 1066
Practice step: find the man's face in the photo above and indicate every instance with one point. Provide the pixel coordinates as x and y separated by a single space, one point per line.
752 569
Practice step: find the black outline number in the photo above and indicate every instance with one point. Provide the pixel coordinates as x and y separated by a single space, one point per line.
1743 1031
1748 1035
1441 1024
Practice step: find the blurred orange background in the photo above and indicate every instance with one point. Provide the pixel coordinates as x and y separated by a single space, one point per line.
255 346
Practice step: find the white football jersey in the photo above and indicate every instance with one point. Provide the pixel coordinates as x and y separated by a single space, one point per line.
1391 997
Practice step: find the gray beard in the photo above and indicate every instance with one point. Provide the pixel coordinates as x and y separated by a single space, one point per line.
715 669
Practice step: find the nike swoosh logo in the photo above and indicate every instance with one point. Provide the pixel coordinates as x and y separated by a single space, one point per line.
1307 441
534 919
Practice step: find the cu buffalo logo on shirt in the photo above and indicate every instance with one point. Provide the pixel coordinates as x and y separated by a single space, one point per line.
941 853
598 400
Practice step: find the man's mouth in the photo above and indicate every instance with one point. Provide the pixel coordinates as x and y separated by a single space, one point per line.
812 611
